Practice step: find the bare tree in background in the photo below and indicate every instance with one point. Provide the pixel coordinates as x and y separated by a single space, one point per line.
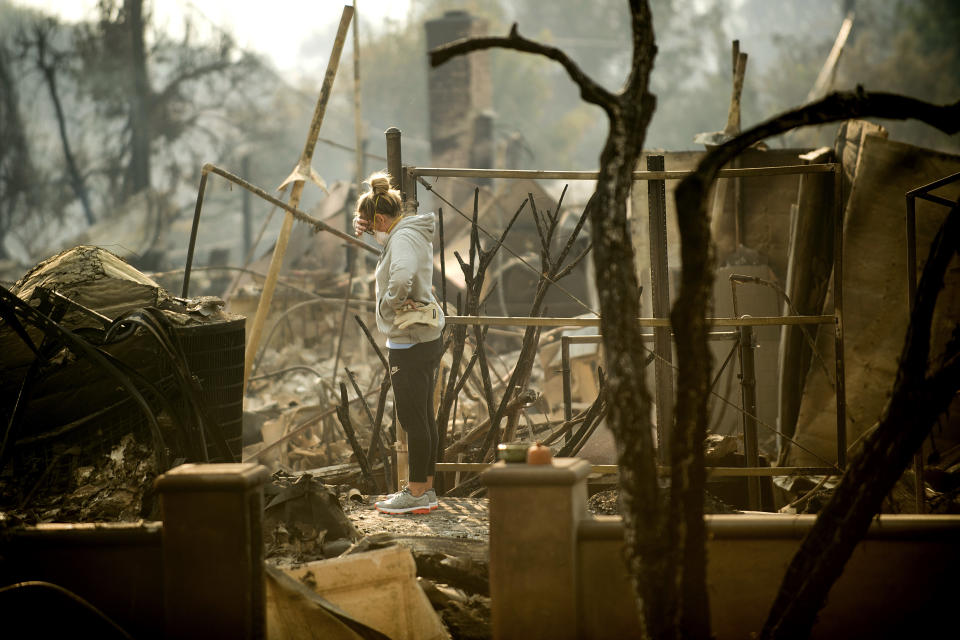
16 174
37 43
168 93
132 108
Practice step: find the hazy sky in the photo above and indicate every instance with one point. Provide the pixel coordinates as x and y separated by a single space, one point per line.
275 29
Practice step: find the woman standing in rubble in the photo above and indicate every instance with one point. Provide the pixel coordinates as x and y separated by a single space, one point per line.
408 314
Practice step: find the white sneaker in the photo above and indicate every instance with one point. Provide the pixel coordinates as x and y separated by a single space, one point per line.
404 502
433 499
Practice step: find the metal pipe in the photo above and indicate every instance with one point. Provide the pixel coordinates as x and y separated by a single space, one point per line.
660 281
934 185
292 210
394 161
664 471
748 393
298 215
838 313
918 485
247 212
193 234
935 199
567 394
409 186
525 174
443 264
528 321
647 337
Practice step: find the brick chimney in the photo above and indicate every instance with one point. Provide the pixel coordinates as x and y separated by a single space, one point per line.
460 101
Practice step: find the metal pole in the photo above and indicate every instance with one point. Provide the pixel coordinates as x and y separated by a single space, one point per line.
918 484
409 186
567 395
247 209
660 281
540 174
528 321
748 393
443 265
838 313
648 337
394 161
193 235
296 213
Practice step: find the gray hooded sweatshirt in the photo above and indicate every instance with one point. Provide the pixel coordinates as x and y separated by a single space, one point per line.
405 271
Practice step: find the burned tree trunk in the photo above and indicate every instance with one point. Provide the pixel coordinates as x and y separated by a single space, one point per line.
138 177
47 62
665 552
666 547
16 167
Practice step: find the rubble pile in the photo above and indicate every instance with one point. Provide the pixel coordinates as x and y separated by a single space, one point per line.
466 615
108 380
303 519
306 522
116 486
809 494
300 395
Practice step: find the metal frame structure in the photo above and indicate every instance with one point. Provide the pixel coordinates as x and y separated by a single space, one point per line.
923 193
660 323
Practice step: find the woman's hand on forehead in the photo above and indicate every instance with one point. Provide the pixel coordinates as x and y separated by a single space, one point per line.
360 226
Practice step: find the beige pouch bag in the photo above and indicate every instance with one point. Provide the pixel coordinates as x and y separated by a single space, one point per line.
427 313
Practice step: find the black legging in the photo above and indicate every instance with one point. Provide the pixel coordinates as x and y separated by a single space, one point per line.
411 372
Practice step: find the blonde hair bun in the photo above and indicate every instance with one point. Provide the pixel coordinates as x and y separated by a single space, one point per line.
380 183
380 199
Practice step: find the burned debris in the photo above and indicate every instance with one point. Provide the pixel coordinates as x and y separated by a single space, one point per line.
717 332
108 381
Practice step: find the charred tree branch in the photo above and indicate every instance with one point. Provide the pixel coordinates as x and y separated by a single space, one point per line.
589 89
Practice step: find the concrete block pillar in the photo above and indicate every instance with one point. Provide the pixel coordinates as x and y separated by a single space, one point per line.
535 511
213 571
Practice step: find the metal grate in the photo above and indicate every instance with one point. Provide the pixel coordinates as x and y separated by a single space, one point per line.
215 356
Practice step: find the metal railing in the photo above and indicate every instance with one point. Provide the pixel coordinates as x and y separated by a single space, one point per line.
661 323
922 193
